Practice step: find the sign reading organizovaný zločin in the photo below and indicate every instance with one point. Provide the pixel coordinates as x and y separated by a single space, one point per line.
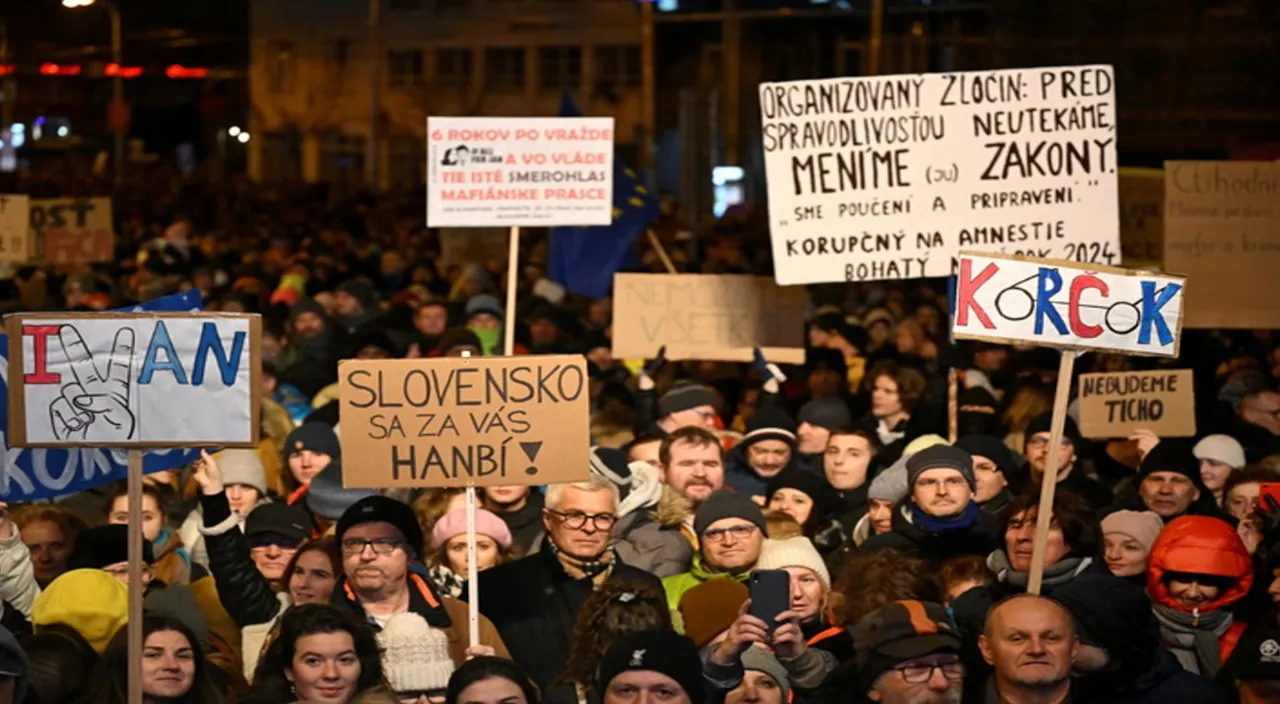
889 177
1061 304
133 379
464 421
519 171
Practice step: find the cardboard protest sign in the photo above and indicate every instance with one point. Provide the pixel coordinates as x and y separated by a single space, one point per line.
889 177
29 474
466 421
134 379
1060 304
73 230
698 316
1141 215
1222 228
519 171
1114 405
15 240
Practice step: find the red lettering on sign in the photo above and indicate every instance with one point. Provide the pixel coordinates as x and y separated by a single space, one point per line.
1078 286
40 335
966 287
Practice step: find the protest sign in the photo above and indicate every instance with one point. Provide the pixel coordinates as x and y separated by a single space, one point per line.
1222 228
29 474
1141 215
1060 304
1114 405
889 177
519 171
464 421
15 239
134 379
73 230
697 316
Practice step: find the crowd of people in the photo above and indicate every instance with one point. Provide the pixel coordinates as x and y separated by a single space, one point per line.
904 533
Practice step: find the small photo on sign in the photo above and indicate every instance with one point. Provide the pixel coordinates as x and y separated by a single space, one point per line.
1113 405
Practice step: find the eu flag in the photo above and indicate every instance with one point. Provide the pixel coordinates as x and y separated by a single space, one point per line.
584 259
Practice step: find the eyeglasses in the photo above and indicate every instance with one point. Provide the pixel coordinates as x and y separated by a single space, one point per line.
576 520
919 674
1042 441
738 533
381 546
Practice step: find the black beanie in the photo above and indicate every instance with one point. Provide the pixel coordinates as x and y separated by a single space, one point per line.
684 397
662 651
727 504
940 457
1043 423
1172 456
826 502
991 448
314 436
104 546
769 423
826 412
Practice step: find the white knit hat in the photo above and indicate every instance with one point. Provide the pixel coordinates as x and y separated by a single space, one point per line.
242 467
793 552
1220 448
415 656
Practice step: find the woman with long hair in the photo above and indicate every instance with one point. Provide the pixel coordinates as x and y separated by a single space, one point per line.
310 577
174 670
490 680
894 390
321 655
447 561
616 609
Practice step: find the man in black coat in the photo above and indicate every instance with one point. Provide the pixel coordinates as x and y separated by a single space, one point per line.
939 519
534 601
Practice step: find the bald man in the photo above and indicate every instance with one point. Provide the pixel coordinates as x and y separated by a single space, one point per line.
1031 642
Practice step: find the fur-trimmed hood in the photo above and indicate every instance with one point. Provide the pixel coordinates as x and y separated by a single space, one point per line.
672 509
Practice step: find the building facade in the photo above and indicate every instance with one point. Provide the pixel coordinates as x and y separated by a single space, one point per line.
321 74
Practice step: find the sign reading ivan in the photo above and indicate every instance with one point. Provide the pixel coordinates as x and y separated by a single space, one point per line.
464 421
1061 304
889 177
133 379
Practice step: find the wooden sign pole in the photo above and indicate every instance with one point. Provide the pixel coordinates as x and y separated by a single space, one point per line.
1049 482
134 675
662 251
513 280
473 577
953 405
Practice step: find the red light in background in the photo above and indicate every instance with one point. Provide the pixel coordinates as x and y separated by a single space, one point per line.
178 71
6 69
122 71
52 69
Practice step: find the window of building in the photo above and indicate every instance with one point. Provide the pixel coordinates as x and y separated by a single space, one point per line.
406 163
281 157
619 65
453 67
504 68
559 67
342 159
282 66
404 68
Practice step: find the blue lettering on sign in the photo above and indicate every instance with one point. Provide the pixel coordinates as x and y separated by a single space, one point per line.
1048 283
228 365
1151 315
160 342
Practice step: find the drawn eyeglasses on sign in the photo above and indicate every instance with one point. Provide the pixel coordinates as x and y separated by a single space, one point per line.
1015 303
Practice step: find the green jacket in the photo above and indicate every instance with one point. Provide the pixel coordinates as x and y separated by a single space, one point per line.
677 584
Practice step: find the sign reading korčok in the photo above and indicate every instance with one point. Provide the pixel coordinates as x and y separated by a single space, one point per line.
889 177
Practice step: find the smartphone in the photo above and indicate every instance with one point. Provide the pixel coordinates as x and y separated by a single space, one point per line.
770 595
1266 489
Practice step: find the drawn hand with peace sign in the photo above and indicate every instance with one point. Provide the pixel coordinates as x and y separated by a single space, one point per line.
95 407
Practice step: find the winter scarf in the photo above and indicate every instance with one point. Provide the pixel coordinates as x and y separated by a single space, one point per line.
598 570
446 581
1057 574
967 519
1193 637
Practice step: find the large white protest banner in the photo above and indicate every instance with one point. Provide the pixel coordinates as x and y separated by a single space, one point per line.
889 177
15 241
519 171
1062 304
134 379
73 230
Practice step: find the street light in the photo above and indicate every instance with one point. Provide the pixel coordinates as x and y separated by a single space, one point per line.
117 85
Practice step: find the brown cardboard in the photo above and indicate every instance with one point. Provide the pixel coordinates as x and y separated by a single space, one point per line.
465 421
73 230
15 229
1141 216
1222 230
1116 404
704 316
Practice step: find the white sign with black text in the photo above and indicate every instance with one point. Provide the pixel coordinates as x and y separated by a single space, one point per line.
889 177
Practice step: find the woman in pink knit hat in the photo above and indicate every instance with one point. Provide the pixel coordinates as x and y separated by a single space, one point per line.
447 562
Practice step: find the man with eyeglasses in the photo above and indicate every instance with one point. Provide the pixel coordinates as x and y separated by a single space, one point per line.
908 652
1066 459
1031 642
534 601
379 538
940 519
731 532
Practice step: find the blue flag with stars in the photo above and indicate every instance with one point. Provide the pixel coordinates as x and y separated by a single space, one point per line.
584 259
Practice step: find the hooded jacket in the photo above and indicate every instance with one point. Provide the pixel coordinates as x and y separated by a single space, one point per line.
1201 545
652 537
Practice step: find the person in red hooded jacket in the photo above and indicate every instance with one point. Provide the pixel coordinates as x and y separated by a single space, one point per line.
1197 567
